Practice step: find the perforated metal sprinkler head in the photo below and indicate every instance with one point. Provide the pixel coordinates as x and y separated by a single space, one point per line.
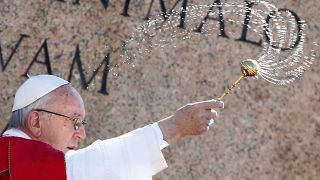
249 68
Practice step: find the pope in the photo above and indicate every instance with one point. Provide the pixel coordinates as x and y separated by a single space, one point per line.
41 138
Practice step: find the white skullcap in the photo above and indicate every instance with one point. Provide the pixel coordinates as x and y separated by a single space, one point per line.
34 88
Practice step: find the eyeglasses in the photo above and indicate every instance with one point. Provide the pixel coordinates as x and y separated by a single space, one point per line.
77 121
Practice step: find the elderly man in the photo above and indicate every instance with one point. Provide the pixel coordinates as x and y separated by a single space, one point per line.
47 122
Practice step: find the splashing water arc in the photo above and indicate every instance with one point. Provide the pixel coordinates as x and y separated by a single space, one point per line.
281 61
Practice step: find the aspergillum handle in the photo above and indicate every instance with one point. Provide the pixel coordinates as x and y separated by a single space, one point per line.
230 88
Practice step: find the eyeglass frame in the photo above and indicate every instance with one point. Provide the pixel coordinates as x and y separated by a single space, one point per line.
76 125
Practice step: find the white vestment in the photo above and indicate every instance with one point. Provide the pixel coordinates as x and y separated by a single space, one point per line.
133 156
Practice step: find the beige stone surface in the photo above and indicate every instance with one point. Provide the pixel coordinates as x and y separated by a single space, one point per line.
265 131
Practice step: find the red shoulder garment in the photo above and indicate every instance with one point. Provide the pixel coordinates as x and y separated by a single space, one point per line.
24 159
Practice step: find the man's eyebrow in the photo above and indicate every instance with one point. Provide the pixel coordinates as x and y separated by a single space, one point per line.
75 115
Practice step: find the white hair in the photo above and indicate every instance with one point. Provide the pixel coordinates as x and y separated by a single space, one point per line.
18 117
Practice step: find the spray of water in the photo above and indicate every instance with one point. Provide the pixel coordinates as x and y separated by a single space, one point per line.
283 58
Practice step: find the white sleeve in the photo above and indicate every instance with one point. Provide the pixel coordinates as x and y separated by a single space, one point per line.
163 144
135 155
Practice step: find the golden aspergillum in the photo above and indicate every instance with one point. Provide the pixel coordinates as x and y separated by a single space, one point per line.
249 67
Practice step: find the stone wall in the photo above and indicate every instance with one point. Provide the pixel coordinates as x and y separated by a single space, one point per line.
266 131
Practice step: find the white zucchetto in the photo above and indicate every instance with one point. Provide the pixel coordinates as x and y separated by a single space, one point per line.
34 88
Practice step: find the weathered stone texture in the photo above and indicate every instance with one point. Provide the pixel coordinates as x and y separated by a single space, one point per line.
264 132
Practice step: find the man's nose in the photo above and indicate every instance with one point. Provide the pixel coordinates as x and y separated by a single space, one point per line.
81 133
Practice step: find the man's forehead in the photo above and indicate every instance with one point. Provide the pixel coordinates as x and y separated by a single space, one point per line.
66 98
66 92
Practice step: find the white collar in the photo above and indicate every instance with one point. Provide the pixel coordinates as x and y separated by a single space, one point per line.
16 133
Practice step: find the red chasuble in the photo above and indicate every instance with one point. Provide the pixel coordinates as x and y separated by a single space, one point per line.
24 159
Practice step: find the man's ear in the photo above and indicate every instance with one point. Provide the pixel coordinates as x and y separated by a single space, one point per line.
33 124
